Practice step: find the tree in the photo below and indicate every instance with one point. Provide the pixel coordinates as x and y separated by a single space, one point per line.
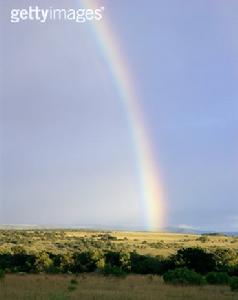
43 262
196 259
183 276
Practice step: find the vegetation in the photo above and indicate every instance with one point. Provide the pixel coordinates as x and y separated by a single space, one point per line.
234 283
183 276
93 286
179 259
218 278
2 274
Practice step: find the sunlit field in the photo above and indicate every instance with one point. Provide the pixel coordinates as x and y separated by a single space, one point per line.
88 287
79 264
142 242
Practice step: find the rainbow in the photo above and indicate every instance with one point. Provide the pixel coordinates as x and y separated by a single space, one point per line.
153 200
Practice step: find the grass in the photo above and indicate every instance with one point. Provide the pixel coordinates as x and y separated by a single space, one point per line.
154 243
93 287
168 243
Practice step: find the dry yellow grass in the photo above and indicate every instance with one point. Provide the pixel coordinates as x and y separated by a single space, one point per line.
154 243
171 241
92 286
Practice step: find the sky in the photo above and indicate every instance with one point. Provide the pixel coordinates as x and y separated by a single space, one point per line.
67 155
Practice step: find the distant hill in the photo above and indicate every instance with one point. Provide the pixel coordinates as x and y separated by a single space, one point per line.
197 231
97 227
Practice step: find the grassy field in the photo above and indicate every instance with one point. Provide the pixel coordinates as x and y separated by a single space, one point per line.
89 287
19 286
58 241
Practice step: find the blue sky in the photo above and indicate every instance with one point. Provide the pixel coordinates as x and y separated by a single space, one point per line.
67 155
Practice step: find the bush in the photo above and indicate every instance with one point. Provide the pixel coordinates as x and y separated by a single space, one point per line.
118 259
52 270
183 276
43 262
225 259
73 281
100 264
233 270
234 283
217 278
2 274
146 264
203 239
113 270
196 259
84 262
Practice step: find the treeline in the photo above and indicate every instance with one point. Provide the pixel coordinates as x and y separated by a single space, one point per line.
197 259
187 266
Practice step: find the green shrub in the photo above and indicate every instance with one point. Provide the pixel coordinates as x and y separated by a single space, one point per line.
234 283
146 264
84 262
217 278
43 262
203 239
225 259
119 259
196 259
114 270
100 264
73 281
72 288
52 270
183 276
2 274
233 270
